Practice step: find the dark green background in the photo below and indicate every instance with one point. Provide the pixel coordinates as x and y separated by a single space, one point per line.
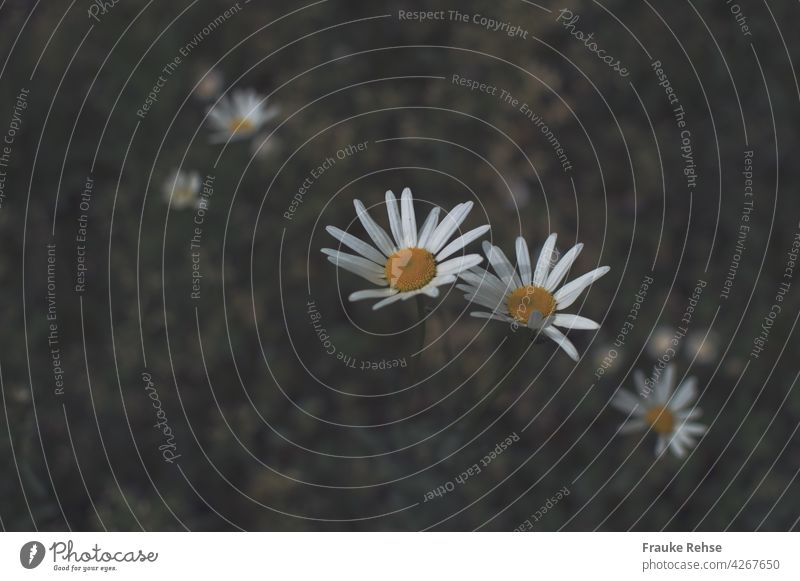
632 210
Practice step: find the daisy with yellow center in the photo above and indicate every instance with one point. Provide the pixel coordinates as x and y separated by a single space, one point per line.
669 414
411 261
239 115
532 296
182 189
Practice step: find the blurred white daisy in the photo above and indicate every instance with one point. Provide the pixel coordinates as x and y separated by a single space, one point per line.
670 415
209 86
239 115
531 297
702 346
414 261
182 189
661 340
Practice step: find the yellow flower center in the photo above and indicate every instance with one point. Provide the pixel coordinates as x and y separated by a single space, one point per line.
661 419
183 195
410 269
527 299
240 124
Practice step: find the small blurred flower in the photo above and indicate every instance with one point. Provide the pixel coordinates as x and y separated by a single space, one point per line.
668 415
239 116
606 356
703 346
660 341
182 189
210 85
412 263
530 297
263 148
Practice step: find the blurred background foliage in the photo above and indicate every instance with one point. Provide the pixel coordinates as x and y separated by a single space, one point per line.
263 443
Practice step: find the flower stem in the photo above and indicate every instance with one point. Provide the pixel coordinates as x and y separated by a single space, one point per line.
421 318
416 363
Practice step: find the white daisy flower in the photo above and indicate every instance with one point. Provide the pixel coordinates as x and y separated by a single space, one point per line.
531 296
413 261
182 189
239 116
670 415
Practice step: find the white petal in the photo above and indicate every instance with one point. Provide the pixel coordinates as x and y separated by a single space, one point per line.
449 224
487 293
428 227
639 380
485 301
562 341
494 316
685 394
684 438
574 322
626 402
387 301
359 246
377 293
426 290
693 428
462 241
484 279
560 270
409 220
692 414
344 257
358 271
218 117
378 234
395 223
459 264
524 261
543 264
661 445
567 294
501 265
677 448
441 280
665 383
357 265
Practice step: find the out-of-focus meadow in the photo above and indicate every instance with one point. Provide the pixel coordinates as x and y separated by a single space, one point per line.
277 430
